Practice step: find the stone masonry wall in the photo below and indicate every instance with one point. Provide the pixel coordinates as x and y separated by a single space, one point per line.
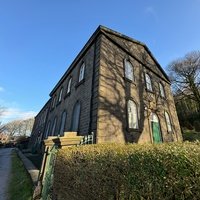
79 92
115 90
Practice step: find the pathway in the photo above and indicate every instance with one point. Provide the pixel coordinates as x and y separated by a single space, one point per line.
5 167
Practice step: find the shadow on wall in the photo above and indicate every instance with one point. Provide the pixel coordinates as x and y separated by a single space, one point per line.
116 92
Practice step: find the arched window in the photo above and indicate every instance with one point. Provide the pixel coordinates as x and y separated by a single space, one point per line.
148 82
128 70
69 85
54 126
168 122
48 129
76 116
132 115
162 92
62 125
53 101
60 95
81 72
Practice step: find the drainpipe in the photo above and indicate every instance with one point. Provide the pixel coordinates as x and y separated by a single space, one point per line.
92 91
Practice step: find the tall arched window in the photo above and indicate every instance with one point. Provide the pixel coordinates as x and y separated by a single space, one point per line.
128 70
54 101
48 129
148 82
62 125
168 122
69 85
54 126
60 95
81 72
162 92
76 116
132 115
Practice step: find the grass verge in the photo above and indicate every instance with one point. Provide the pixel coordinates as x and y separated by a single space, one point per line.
20 185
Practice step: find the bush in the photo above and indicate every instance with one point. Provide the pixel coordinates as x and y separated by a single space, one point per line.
165 171
191 135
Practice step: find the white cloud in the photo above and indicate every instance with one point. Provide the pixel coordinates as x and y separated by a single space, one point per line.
2 89
10 114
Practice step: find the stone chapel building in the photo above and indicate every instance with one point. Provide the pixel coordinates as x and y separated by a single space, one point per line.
114 88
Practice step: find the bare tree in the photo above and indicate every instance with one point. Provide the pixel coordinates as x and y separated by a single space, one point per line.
185 77
19 127
2 109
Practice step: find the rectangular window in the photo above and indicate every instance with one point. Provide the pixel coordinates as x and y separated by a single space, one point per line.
128 70
148 82
162 92
60 95
132 115
81 72
69 86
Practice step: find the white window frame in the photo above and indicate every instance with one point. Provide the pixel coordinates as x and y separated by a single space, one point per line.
69 85
54 101
148 82
81 72
129 73
60 95
168 122
162 91
132 112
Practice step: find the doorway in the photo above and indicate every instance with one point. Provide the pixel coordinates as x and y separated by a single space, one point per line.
155 127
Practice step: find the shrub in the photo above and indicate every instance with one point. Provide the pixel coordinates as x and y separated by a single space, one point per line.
164 171
191 135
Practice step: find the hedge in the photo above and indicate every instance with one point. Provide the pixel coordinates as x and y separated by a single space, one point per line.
163 171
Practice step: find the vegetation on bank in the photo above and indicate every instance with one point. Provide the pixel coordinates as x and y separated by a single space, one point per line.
191 135
164 171
20 184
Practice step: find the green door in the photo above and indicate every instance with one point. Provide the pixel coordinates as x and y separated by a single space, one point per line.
156 132
155 128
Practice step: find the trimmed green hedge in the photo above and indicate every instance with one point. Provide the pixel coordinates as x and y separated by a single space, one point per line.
163 171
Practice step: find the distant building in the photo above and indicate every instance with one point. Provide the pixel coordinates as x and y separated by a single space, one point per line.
114 88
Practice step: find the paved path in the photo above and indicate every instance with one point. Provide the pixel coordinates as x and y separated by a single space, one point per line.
5 167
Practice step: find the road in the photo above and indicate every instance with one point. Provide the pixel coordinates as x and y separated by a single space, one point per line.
5 167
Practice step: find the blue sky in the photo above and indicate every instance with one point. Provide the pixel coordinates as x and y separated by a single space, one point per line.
40 38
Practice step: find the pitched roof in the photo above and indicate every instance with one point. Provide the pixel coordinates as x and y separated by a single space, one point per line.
103 29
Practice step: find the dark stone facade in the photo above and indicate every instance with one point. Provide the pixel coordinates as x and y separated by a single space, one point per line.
104 92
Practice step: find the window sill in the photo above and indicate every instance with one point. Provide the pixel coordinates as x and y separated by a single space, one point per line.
150 91
52 109
137 130
129 80
170 132
58 103
163 98
80 83
67 95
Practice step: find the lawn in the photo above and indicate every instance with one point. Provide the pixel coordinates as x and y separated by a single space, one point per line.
20 185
